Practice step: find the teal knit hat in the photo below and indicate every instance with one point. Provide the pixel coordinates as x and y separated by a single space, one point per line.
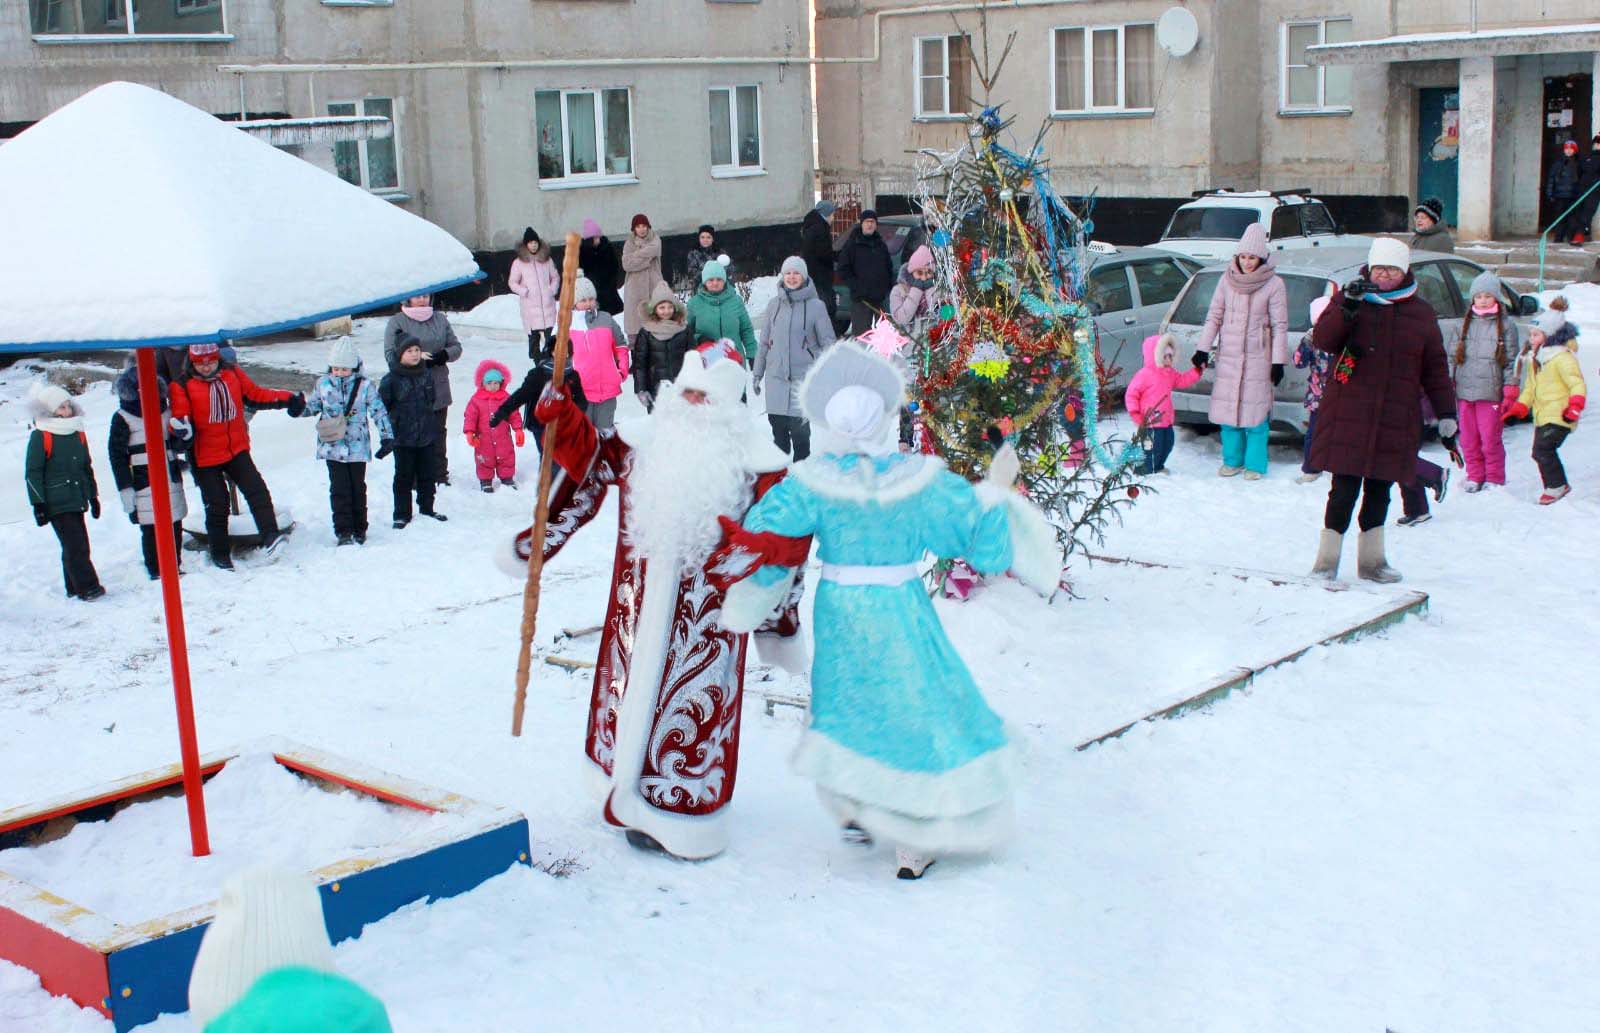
713 271
303 1000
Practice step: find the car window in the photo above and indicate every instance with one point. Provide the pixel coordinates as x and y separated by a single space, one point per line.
1432 288
1464 273
1188 265
1209 223
1301 291
1285 221
1108 289
1191 310
1159 280
1314 219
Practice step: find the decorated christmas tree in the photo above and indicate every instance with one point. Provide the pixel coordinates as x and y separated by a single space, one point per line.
1010 355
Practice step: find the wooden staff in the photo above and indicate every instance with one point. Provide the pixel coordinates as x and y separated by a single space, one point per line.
541 510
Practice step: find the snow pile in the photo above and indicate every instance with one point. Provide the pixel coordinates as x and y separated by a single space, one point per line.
762 290
137 866
217 232
1583 308
501 312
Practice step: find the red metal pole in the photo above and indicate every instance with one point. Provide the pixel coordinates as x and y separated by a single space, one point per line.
172 601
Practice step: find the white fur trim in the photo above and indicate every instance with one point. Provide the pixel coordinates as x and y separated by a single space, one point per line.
747 605
1035 555
760 454
845 363
975 833
785 652
905 479
980 783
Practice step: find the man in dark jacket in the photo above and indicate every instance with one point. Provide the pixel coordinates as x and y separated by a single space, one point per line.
1386 353
816 247
1561 189
1588 177
865 267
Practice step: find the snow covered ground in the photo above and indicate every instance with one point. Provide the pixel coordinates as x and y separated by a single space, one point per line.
1397 833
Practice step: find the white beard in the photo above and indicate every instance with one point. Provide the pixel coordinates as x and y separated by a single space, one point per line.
691 470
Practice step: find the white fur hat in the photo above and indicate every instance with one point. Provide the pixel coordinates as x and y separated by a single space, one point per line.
1388 251
851 390
722 378
267 918
47 398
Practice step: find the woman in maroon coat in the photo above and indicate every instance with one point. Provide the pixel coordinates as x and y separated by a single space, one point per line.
1386 353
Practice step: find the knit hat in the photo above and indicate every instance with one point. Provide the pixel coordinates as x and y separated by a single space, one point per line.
707 228
1254 242
793 264
344 355
493 376
1388 251
921 258
530 237
1484 283
868 213
205 349
1550 321
1570 147
583 290
294 999
639 220
47 398
827 208
1432 207
266 918
591 229
712 271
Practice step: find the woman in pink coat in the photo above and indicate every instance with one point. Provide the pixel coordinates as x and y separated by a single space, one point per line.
1247 327
494 446
536 280
1149 398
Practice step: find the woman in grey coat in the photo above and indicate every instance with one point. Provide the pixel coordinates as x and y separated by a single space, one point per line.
794 331
418 319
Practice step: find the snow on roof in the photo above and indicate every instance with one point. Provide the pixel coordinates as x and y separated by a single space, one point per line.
132 218
1426 45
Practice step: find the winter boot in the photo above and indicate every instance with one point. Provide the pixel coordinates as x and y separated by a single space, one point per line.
346 539
91 594
1554 495
222 561
401 522
1329 546
1413 521
1473 487
437 516
1252 475
1371 564
487 487
1444 485
508 482
643 841
855 835
1229 471
1308 478
911 865
272 542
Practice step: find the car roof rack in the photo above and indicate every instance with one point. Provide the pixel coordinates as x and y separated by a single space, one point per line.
1212 190
1295 191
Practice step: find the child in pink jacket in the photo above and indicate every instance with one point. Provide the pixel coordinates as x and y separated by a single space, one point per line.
599 353
494 445
1149 398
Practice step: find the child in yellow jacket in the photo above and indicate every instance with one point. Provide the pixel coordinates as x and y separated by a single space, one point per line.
1554 393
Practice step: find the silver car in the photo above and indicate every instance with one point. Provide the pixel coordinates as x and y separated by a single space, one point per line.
1129 290
1443 281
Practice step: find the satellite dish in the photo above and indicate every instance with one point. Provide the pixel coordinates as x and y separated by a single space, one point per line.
1177 32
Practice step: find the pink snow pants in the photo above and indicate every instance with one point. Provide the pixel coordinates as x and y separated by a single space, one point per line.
497 455
1482 449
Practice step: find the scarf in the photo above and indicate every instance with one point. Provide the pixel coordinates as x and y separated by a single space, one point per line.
1249 283
1493 308
222 408
1390 297
664 329
421 313
60 424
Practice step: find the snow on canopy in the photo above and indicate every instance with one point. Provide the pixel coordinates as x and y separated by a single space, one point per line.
132 218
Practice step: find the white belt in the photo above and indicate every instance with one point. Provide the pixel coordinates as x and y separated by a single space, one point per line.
870 574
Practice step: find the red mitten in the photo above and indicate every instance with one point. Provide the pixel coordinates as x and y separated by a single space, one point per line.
472 439
1574 408
520 438
1508 395
744 552
1515 411
575 436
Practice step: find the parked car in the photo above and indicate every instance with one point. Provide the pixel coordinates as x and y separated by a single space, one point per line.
1443 281
1209 227
1129 290
903 234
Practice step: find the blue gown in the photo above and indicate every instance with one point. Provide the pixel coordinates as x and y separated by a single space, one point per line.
900 739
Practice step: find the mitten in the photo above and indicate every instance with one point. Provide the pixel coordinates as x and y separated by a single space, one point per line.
553 403
496 419
1574 408
41 516
1350 298
472 439
519 437
1515 412
182 429
1508 395
1199 358
297 404
94 508
385 447
645 398
129 503
1277 373
438 358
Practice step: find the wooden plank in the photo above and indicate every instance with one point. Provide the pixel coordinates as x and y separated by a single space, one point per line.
569 663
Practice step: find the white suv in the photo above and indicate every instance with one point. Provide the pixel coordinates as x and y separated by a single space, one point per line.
1209 227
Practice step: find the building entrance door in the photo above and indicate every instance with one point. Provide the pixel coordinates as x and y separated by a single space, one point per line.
1567 116
1438 141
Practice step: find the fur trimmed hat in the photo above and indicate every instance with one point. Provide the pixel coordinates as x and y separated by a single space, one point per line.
717 369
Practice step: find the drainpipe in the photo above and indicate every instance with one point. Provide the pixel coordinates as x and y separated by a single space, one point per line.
636 62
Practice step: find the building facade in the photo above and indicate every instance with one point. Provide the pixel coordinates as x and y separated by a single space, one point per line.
1274 94
505 113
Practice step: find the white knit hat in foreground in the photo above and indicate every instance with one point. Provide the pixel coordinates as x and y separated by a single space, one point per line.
1388 251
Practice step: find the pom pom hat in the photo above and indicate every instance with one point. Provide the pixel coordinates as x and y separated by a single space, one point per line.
1390 252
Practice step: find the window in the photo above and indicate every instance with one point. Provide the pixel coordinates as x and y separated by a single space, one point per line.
1314 87
371 164
1104 69
1314 219
944 76
1109 290
735 129
1205 223
1431 287
1159 281
1301 291
150 19
1285 222
583 135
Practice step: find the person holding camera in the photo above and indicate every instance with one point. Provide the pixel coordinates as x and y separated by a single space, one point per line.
1387 353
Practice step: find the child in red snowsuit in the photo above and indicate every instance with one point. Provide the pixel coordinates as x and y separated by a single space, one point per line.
494 445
